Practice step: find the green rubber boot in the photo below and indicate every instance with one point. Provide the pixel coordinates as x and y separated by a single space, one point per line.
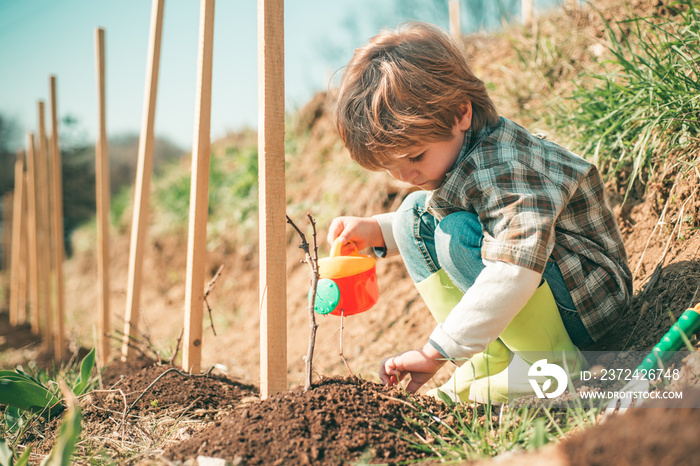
536 333
493 360
441 295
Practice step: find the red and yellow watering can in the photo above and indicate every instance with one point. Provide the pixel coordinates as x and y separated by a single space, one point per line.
347 284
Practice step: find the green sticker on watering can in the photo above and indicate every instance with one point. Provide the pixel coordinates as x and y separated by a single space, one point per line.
327 296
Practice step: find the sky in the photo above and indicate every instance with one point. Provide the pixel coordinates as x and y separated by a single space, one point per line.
39 38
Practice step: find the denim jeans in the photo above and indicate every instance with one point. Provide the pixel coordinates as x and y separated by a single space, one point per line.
454 244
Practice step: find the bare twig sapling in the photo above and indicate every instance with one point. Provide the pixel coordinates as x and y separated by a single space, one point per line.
312 261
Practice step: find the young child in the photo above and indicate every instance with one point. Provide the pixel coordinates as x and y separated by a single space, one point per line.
510 241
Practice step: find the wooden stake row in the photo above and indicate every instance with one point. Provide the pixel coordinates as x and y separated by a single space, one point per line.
526 13
37 243
36 268
272 194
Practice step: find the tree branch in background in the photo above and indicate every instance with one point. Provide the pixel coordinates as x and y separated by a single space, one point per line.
210 287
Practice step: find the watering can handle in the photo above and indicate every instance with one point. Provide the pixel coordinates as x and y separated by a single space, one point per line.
337 247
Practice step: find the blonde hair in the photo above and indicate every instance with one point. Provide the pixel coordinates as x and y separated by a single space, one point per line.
406 87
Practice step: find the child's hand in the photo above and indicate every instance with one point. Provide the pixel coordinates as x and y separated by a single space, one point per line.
421 363
363 231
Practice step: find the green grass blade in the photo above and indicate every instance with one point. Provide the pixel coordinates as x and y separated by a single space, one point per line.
6 454
86 366
24 459
19 377
539 435
29 376
13 419
445 398
68 436
28 396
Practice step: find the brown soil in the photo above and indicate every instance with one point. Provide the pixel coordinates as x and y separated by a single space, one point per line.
344 419
337 421
642 437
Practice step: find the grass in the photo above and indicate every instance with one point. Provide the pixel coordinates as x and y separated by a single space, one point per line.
646 103
484 431
233 200
33 398
22 431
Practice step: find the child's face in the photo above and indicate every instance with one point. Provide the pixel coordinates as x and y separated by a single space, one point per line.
426 165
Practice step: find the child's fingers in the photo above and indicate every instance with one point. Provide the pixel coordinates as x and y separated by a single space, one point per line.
348 246
336 229
388 373
349 228
384 372
413 386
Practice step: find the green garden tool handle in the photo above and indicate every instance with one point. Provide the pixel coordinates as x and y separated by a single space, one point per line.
688 323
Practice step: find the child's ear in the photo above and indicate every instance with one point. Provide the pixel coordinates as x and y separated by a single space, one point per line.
465 121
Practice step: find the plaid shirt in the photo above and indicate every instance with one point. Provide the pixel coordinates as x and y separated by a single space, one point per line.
536 199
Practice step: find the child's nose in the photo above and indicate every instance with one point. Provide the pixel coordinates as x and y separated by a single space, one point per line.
407 173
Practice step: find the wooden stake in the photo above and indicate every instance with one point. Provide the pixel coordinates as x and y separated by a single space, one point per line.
455 28
58 238
6 247
272 198
199 195
144 172
32 236
43 190
22 290
102 197
527 12
17 240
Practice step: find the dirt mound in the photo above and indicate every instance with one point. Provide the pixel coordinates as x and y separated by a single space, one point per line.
148 403
338 421
18 344
155 387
